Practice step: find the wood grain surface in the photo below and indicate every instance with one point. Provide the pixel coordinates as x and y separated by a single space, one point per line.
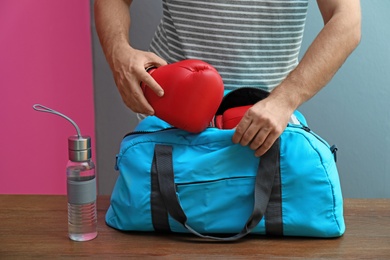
35 226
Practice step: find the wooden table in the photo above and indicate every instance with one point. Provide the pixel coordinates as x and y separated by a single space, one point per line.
35 226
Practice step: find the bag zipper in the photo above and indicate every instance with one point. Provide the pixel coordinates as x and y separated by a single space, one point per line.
149 132
209 181
332 148
116 167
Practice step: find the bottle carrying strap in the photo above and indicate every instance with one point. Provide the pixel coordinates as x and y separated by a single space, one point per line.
41 108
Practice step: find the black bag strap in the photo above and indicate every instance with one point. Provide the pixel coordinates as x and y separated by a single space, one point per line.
267 171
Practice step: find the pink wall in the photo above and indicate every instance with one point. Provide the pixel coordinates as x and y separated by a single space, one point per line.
46 58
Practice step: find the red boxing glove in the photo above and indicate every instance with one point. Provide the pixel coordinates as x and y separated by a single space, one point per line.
231 117
193 91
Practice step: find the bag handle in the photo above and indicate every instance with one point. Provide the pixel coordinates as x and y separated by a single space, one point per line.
265 176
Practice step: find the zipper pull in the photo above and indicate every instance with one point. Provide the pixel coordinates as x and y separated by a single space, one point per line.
307 129
116 163
334 149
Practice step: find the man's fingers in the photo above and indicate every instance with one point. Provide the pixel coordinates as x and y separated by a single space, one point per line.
156 61
266 145
259 139
256 131
149 81
241 130
134 98
141 104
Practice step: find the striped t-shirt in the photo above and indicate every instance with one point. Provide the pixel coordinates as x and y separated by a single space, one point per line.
250 42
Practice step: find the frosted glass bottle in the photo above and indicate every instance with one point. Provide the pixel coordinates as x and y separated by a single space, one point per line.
81 190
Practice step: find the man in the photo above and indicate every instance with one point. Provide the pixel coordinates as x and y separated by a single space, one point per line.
251 43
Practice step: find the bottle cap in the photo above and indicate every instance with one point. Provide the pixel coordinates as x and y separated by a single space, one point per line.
79 148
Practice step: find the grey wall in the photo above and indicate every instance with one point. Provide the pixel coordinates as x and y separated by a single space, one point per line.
352 111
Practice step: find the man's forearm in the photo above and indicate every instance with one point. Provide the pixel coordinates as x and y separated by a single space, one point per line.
112 19
327 53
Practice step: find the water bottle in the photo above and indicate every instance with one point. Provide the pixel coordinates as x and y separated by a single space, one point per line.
81 190
81 184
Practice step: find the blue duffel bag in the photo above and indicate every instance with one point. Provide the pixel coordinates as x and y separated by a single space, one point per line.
171 180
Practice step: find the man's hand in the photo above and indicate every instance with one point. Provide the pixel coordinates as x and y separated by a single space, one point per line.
266 120
112 19
261 125
128 66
